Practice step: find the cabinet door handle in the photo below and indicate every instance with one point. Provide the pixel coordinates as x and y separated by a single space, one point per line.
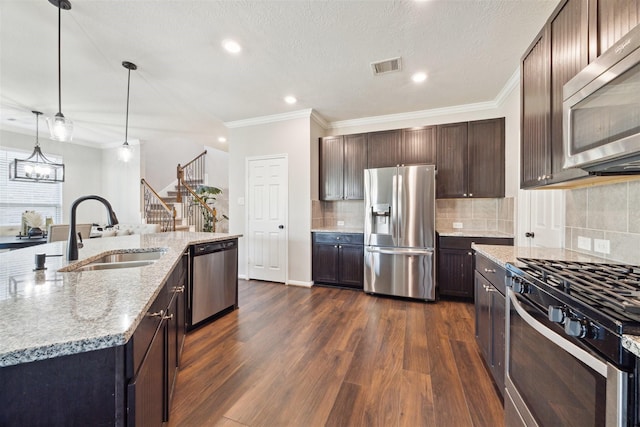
335 246
178 289
489 270
169 317
469 253
156 314
470 194
464 195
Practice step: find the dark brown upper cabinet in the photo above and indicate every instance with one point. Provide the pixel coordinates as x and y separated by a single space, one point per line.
451 165
576 33
486 158
609 21
343 160
470 159
419 146
535 113
384 149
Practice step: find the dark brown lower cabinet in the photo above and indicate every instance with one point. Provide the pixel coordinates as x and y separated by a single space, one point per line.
338 259
456 263
145 392
490 306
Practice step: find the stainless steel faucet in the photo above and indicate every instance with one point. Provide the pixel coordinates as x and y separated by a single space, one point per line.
72 243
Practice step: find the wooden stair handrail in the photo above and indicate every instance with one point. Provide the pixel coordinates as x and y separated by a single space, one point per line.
199 199
170 209
180 173
194 160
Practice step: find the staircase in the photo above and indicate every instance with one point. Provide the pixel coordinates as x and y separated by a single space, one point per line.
182 208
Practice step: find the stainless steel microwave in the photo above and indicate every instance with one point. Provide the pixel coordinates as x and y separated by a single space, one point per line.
601 112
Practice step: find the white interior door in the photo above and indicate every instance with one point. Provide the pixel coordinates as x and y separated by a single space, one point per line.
541 218
267 218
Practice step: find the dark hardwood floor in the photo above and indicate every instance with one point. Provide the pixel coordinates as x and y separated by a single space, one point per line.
292 356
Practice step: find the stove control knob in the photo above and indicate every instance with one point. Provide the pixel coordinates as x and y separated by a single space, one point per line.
556 314
519 286
575 328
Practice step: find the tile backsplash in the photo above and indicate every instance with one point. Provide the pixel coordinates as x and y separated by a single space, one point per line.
476 214
473 214
608 213
327 214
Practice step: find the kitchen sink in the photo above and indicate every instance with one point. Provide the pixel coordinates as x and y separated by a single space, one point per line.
118 260
114 265
124 257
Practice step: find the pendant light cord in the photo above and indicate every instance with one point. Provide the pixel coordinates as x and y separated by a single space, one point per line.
126 126
59 67
37 132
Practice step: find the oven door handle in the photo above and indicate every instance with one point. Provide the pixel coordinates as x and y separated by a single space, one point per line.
585 357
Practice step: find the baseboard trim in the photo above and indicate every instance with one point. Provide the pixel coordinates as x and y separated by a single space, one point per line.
299 283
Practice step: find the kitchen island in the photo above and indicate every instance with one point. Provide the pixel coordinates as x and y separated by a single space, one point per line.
59 329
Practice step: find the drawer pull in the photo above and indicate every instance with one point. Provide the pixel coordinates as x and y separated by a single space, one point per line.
178 289
489 270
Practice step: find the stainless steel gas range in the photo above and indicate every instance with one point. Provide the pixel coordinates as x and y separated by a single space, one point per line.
566 365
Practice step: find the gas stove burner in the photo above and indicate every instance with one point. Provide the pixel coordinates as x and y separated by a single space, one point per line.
605 287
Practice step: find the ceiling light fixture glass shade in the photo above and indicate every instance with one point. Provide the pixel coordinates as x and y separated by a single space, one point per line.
60 128
125 152
36 168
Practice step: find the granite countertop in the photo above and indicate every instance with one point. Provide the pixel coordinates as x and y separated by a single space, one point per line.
50 313
508 254
473 233
337 229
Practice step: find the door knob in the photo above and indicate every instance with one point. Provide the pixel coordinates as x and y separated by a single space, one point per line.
281 226
529 234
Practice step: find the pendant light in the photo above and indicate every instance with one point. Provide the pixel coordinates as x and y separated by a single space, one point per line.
36 168
126 151
60 127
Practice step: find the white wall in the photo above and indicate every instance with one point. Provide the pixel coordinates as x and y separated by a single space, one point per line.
121 185
510 110
291 137
83 171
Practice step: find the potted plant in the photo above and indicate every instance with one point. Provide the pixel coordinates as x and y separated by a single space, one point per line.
208 195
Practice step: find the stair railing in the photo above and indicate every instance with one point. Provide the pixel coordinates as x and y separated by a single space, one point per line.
191 173
196 210
198 213
156 210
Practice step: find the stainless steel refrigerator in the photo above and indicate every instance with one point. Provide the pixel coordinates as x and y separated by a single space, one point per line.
399 231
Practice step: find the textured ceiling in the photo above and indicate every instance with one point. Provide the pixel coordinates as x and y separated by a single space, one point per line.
187 86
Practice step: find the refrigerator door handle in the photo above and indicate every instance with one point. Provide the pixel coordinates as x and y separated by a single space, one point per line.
395 251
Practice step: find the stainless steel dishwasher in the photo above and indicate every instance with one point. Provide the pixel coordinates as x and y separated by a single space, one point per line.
213 281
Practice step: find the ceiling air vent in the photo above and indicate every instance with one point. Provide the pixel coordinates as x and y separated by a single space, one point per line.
386 66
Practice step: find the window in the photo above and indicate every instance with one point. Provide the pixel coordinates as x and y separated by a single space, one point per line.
17 197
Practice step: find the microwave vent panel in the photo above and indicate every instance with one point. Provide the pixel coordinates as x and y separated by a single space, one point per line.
387 66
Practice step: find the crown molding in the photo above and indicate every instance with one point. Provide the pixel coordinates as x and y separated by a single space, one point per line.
316 117
506 90
511 84
270 119
500 98
435 112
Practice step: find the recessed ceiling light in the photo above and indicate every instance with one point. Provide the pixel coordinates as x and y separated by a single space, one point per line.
290 99
231 46
419 77
222 139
